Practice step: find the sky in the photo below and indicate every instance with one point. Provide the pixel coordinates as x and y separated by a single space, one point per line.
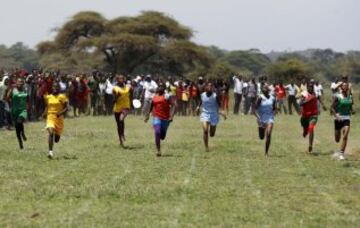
269 25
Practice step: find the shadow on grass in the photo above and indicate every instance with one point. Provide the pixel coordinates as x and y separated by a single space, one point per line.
66 157
133 147
322 153
172 155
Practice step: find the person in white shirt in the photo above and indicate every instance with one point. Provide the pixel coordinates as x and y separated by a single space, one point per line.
292 91
238 90
318 89
149 90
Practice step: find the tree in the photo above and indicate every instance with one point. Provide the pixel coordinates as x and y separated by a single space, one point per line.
151 40
288 70
18 56
349 65
247 61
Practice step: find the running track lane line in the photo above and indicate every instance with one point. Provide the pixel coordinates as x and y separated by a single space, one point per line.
179 209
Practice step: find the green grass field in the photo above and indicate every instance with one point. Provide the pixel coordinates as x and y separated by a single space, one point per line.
92 182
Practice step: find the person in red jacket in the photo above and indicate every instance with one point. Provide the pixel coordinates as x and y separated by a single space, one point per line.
163 110
280 92
309 113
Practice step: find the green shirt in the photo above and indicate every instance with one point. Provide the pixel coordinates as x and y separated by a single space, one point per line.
344 105
18 102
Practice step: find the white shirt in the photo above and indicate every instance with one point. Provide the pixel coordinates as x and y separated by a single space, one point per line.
291 89
150 86
238 85
318 90
109 87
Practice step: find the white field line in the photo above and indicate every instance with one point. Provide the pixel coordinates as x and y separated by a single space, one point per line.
191 170
187 181
248 179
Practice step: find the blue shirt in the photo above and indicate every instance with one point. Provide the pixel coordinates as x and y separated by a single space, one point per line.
265 109
209 104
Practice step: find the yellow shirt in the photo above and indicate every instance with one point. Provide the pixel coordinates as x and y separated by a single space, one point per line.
55 103
123 99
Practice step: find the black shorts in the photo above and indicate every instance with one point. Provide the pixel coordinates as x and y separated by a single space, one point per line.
340 124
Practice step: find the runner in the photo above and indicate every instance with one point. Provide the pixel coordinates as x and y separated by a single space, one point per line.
265 112
56 107
19 103
342 109
209 116
163 110
121 106
309 116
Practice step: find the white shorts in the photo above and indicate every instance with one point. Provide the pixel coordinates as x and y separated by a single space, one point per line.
212 118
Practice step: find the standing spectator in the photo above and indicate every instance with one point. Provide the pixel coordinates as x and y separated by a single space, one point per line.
200 85
225 98
94 93
318 89
109 95
185 96
149 90
30 87
250 98
179 100
292 91
74 90
238 91
5 115
280 97
194 98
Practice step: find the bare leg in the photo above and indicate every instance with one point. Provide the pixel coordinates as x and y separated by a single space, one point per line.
212 131
337 135
269 128
18 135
346 131
206 135
261 133
311 141
51 138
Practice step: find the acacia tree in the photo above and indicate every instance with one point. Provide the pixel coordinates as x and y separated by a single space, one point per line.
150 40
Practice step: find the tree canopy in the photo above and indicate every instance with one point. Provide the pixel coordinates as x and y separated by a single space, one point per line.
151 40
18 56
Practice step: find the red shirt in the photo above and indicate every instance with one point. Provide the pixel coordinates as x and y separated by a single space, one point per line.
179 91
310 108
161 107
280 92
193 91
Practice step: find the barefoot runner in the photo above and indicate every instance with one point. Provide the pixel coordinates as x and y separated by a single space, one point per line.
209 116
163 110
19 103
342 109
56 107
121 108
265 112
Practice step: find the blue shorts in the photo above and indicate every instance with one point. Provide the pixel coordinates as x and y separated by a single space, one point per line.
164 124
212 118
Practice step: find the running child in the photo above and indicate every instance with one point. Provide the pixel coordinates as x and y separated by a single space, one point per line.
209 116
265 111
121 107
309 113
342 109
163 110
55 109
19 106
